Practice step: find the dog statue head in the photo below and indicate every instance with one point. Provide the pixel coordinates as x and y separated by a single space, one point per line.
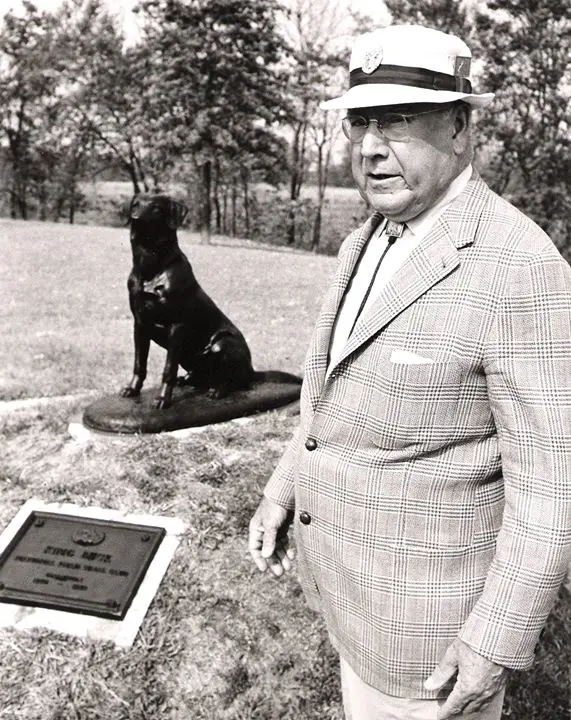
157 211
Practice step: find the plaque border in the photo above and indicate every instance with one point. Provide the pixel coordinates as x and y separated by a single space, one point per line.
121 633
83 606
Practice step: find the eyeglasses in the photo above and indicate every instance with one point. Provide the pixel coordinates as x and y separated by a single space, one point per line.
393 126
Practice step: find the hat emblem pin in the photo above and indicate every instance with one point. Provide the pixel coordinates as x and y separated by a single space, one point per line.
372 60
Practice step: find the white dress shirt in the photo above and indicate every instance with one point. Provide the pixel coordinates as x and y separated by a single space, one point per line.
415 230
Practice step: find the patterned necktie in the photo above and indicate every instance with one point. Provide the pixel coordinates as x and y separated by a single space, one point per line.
393 231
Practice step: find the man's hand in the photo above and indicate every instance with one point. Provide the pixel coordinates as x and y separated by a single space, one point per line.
268 542
478 681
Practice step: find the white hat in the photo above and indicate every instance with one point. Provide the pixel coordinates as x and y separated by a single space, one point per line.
402 64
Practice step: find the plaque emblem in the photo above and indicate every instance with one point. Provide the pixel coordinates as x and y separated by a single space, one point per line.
88 536
372 60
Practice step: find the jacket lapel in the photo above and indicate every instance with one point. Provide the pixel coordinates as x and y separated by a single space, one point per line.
316 360
349 260
435 258
429 263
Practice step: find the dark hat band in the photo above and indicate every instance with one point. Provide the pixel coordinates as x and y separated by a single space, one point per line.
412 77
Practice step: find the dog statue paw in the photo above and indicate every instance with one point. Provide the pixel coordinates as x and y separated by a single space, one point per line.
129 392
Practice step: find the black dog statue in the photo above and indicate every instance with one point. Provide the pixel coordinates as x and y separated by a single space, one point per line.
170 308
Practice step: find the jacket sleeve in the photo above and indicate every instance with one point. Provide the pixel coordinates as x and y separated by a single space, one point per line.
280 486
528 370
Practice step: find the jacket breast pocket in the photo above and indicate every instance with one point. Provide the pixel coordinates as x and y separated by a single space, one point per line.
415 404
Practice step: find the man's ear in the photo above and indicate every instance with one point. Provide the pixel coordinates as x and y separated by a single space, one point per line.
462 120
177 213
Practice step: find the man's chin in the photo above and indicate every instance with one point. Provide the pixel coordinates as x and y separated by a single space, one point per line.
394 208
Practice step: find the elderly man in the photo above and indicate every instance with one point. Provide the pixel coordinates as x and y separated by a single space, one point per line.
429 481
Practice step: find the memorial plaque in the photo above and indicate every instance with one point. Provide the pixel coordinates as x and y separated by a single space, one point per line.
78 564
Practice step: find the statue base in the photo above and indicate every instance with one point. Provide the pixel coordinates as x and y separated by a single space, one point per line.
189 408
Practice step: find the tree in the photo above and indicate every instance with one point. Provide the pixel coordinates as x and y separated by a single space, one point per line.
63 99
323 133
106 84
216 81
317 54
528 65
524 137
258 159
28 81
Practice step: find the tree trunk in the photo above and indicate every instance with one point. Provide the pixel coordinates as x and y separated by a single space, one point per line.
21 199
323 160
233 203
73 196
42 197
206 219
246 191
13 211
217 212
216 197
224 210
315 240
134 179
296 178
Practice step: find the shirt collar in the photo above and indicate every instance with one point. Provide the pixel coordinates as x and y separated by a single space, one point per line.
421 224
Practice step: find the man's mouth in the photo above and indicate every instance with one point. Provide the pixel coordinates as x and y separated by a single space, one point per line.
381 175
385 180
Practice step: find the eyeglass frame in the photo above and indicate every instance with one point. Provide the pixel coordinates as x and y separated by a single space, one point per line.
380 120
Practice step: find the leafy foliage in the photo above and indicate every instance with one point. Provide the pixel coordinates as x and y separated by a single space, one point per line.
528 52
220 94
446 15
28 101
108 81
524 136
216 85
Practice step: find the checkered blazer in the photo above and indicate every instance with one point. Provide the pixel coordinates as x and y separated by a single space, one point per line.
439 493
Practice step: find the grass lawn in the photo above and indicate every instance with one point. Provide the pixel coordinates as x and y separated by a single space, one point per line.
220 641
65 316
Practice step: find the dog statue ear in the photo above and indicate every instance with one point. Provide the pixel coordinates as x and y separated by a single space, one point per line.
135 207
177 212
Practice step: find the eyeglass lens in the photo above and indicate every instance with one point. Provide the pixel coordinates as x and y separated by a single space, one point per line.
392 126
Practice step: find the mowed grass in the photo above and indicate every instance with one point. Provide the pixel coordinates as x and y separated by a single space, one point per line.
65 315
220 641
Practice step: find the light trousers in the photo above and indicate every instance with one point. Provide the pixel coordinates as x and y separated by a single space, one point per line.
363 702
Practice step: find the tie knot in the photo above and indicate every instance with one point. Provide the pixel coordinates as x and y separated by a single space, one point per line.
394 229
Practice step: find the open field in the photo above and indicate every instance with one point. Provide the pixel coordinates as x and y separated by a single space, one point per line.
220 641
343 210
65 316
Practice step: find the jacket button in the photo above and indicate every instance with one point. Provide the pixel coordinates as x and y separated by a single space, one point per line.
304 517
310 444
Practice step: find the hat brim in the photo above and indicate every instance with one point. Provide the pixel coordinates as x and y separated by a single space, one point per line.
371 95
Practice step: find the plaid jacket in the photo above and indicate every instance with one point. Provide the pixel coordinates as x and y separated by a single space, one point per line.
439 493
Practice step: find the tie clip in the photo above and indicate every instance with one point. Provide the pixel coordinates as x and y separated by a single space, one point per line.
394 229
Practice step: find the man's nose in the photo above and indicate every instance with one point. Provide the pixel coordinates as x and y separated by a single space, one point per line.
374 142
